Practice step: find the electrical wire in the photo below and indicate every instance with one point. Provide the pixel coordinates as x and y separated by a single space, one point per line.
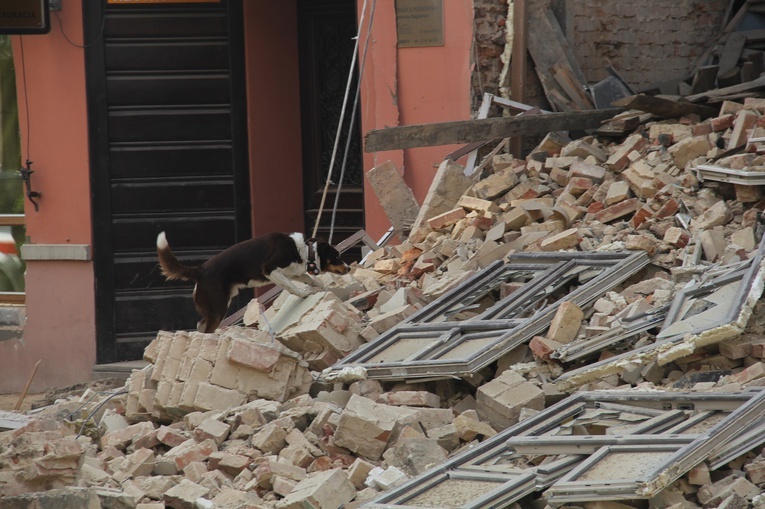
340 122
26 95
98 407
353 119
83 45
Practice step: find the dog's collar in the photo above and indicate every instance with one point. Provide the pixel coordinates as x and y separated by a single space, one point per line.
312 264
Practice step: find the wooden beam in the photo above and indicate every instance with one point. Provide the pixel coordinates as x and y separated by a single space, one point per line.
468 131
518 61
518 65
665 107
734 89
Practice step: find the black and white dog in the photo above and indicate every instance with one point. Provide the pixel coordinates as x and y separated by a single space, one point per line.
278 258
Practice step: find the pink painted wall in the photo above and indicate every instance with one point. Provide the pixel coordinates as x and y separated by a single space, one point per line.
273 101
60 328
406 86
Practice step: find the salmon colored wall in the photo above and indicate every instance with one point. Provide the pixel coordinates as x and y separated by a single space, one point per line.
60 326
406 86
273 101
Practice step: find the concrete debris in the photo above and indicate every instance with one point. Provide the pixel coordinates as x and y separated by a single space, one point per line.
256 416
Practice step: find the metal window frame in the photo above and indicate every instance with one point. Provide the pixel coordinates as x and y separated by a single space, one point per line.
571 488
749 275
508 323
558 480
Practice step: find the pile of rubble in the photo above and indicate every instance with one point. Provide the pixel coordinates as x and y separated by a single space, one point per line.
544 317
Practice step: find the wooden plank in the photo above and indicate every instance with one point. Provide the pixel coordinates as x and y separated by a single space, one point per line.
573 88
565 47
519 64
520 49
468 131
665 107
548 47
734 20
731 52
619 126
756 35
730 78
704 79
727 91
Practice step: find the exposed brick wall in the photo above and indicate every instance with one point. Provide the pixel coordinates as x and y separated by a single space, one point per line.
488 45
647 41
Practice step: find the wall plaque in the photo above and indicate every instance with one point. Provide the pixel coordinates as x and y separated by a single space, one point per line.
420 23
24 17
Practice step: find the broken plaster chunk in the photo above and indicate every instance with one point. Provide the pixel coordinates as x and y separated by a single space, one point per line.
394 195
469 428
515 218
689 149
471 203
744 238
494 186
643 242
566 239
745 120
564 326
447 187
328 489
410 398
755 371
185 494
500 401
385 479
677 237
583 149
415 455
364 427
718 214
617 192
713 244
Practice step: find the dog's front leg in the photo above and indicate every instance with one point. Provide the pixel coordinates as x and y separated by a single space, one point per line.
278 278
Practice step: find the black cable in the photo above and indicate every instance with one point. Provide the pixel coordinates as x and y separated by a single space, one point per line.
26 95
98 407
83 45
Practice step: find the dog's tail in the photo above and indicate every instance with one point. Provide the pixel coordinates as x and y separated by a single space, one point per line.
171 267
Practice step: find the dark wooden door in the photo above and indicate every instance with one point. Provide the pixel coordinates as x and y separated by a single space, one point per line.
326 40
168 153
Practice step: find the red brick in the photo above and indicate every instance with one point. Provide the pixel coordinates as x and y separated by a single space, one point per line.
595 207
618 210
447 218
702 129
543 347
641 216
722 122
669 208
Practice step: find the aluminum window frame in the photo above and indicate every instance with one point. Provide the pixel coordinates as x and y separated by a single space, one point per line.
558 481
509 322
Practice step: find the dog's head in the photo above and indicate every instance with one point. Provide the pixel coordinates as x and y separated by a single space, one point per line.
329 258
